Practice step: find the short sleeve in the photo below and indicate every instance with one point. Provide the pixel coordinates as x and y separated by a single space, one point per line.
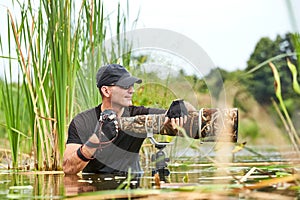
73 136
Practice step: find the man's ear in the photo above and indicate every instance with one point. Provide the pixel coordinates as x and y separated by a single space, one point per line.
105 91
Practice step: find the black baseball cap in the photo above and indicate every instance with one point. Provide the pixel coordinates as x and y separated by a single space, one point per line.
115 74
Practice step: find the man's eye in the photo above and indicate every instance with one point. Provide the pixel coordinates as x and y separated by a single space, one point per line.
127 87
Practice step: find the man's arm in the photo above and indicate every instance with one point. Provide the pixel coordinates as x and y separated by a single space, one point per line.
72 163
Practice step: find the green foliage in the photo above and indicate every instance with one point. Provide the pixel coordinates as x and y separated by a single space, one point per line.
2 118
215 80
92 53
281 55
153 95
60 55
248 128
260 82
285 116
52 48
13 105
294 72
91 33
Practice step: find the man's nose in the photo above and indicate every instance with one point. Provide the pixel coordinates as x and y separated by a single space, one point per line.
131 89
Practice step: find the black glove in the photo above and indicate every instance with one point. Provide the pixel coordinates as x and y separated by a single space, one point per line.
177 109
109 124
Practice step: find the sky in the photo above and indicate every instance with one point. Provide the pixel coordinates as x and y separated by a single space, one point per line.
227 30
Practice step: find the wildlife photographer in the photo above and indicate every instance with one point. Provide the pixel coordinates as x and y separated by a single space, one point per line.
95 142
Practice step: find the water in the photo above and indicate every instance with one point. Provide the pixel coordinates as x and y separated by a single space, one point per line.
185 170
30 186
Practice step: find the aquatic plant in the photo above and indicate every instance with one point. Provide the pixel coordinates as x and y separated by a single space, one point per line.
13 110
285 117
54 44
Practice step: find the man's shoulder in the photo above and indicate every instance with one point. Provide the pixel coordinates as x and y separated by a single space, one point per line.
87 115
87 112
85 121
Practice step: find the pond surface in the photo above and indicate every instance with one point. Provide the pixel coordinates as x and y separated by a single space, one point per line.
197 176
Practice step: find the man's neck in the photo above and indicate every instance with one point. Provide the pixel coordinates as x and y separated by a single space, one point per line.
117 109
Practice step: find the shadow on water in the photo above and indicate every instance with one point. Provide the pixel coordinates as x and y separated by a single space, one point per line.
198 177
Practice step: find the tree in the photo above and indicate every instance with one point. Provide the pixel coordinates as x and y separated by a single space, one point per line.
261 82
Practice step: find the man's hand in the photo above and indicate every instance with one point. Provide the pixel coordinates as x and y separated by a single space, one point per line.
176 114
109 124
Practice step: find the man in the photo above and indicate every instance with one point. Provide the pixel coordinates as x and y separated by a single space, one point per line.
106 149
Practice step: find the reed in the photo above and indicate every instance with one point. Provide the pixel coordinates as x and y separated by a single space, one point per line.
54 46
12 110
294 72
92 35
93 53
281 108
287 120
282 111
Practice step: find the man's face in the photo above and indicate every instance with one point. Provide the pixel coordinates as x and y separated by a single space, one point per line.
122 96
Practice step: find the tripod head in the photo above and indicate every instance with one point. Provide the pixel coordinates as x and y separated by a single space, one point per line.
160 160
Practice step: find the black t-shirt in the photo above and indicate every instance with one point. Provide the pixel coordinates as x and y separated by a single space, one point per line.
122 153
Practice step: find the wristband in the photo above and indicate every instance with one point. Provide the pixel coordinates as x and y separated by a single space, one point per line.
92 144
81 156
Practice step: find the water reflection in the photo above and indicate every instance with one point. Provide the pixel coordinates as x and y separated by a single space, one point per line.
28 185
76 184
56 185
